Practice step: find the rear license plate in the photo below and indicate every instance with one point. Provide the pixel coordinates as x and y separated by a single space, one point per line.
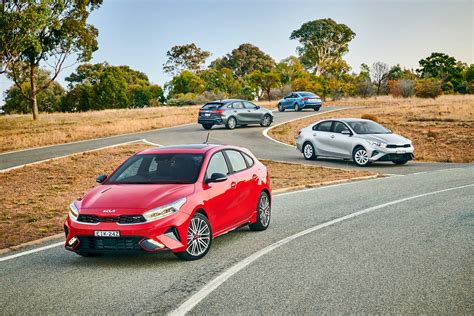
401 152
207 114
106 233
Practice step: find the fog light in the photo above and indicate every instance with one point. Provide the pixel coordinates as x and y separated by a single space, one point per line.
151 245
72 241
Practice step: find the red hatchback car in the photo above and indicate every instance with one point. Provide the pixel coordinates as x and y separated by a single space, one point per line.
171 198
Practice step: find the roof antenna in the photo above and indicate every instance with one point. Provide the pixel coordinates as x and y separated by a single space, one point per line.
207 138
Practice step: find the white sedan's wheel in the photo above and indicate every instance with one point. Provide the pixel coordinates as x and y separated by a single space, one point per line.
308 151
361 157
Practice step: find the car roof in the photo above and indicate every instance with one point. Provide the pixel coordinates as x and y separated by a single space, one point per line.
186 149
304 92
223 101
346 119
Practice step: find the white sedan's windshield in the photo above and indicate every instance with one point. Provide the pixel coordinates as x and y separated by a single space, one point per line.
368 127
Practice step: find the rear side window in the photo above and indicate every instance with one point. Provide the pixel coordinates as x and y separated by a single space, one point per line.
236 160
323 126
249 160
237 105
217 164
249 105
211 106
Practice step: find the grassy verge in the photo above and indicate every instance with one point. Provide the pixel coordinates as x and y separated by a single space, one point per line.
35 198
441 130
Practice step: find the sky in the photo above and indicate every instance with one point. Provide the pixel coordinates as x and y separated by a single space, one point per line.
138 33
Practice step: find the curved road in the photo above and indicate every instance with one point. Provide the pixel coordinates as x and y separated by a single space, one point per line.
390 245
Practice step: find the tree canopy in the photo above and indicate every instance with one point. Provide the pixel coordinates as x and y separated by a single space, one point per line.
185 57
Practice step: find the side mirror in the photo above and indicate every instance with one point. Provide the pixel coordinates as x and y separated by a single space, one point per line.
217 177
346 132
257 107
101 178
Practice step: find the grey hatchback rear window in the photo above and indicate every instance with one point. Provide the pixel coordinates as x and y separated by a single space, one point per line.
211 106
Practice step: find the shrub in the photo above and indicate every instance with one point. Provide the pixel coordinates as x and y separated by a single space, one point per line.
278 93
394 88
365 88
369 117
406 87
428 88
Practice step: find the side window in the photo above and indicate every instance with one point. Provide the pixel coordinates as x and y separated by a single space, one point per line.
229 106
249 160
339 127
237 105
249 105
324 126
217 164
236 160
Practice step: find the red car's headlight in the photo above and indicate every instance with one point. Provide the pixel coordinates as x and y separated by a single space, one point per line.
163 211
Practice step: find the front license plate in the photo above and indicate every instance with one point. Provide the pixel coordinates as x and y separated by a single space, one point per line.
401 152
106 233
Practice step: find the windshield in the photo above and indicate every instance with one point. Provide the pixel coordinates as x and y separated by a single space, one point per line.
158 169
308 95
211 106
368 127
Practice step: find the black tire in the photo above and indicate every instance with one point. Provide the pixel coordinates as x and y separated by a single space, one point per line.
281 108
231 123
266 120
400 162
360 157
88 254
316 109
296 107
309 153
207 126
188 253
264 212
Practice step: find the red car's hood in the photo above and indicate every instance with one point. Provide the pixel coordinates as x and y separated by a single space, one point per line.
129 197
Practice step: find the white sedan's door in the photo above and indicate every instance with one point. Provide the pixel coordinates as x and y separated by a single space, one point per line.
322 139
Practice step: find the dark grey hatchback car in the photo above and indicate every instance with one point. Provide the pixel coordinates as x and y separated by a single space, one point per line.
233 112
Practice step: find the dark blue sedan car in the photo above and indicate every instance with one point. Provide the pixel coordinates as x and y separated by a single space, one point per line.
300 100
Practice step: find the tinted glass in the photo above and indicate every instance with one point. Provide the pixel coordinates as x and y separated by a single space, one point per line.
158 169
308 95
211 106
237 105
339 127
324 126
249 105
368 127
217 164
236 160
248 159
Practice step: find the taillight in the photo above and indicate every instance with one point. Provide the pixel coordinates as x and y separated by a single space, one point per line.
218 111
305 99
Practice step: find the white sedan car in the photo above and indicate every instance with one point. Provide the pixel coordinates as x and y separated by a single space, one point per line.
363 141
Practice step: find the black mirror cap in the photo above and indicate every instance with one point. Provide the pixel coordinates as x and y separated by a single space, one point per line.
217 177
101 178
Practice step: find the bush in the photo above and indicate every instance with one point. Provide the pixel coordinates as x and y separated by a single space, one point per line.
370 117
365 88
407 88
428 88
278 93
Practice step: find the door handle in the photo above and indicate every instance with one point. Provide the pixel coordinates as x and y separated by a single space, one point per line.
255 177
233 185
314 134
249 111
332 136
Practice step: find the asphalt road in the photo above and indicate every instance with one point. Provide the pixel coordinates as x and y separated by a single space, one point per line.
250 137
409 251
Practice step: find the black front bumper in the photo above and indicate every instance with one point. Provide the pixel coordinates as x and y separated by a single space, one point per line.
397 157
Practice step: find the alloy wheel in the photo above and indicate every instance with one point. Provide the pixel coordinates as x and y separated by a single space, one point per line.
361 157
264 210
266 121
308 151
199 237
231 123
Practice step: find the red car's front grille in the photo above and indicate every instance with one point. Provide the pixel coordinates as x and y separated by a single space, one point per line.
122 219
112 244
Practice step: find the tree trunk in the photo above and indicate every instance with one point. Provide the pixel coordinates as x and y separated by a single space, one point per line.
34 104
319 70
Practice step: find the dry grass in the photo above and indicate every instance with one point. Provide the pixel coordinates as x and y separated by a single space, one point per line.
441 130
35 199
20 131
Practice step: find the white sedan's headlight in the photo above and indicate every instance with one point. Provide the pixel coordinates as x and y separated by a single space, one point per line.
73 211
378 144
163 211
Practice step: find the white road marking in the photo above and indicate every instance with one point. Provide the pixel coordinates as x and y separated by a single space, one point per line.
24 253
196 298
150 143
